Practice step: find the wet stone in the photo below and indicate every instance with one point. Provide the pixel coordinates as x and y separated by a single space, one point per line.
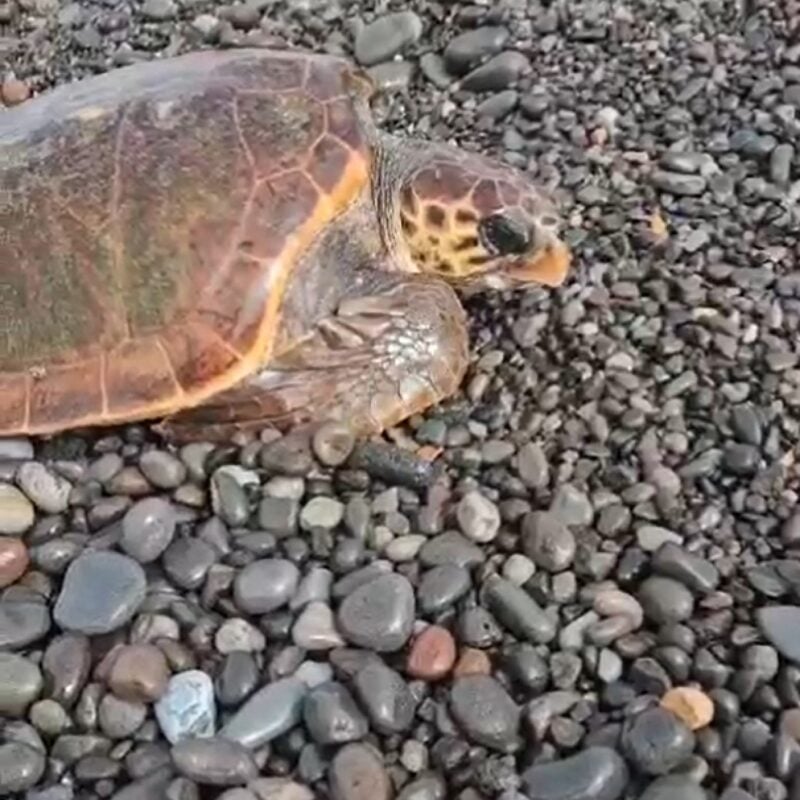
66 665
378 615
101 592
70 748
187 707
22 623
153 784
16 511
385 697
48 491
159 10
572 505
518 569
315 628
118 718
656 741
664 600
674 786
518 611
478 628
485 712
20 684
14 560
526 667
229 498
780 625
139 673
321 512
780 164
432 654
48 717
451 548
162 469
390 464
332 716
746 423
498 73
270 712
238 634
214 762
433 67
596 773
357 773
478 517
678 183
696 573
314 586
16 449
266 585
279 789
468 49
651 537
147 529
236 679
472 662
386 37
497 107
279 515
429 786
548 541
532 466
359 577
741 459
21 767
288 455
692 706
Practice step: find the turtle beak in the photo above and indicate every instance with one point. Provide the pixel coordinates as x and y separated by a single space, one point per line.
549 265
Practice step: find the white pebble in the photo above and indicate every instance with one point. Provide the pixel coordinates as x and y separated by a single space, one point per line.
609 666
321 512
651 537
315 628
404 548
314 673
379 538
518 569
478 517
239 634
187 709
414 756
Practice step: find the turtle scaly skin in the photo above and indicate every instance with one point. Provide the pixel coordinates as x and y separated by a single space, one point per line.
224 241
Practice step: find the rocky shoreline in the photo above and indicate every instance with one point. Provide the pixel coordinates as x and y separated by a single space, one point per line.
576 580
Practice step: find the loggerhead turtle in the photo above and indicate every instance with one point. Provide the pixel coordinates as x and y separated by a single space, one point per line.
223 240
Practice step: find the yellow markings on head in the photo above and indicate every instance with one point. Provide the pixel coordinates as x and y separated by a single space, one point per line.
442 237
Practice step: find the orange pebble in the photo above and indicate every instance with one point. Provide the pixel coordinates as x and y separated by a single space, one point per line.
692 706
472 662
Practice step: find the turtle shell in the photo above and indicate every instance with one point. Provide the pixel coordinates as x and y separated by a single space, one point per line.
150 219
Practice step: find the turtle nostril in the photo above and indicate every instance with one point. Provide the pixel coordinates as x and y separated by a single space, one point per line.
549 221
545 231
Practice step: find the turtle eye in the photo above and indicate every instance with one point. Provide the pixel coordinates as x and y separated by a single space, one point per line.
502 235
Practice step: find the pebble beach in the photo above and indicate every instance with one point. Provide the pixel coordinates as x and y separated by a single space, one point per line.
579 578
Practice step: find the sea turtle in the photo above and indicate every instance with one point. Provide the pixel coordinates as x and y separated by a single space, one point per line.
224 240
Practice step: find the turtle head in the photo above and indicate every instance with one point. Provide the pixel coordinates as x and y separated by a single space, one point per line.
472 220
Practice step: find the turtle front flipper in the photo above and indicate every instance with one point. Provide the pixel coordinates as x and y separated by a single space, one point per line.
380 359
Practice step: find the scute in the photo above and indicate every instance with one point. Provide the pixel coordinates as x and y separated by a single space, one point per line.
150 219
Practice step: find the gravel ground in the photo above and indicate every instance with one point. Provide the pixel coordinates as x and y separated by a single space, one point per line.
594 591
